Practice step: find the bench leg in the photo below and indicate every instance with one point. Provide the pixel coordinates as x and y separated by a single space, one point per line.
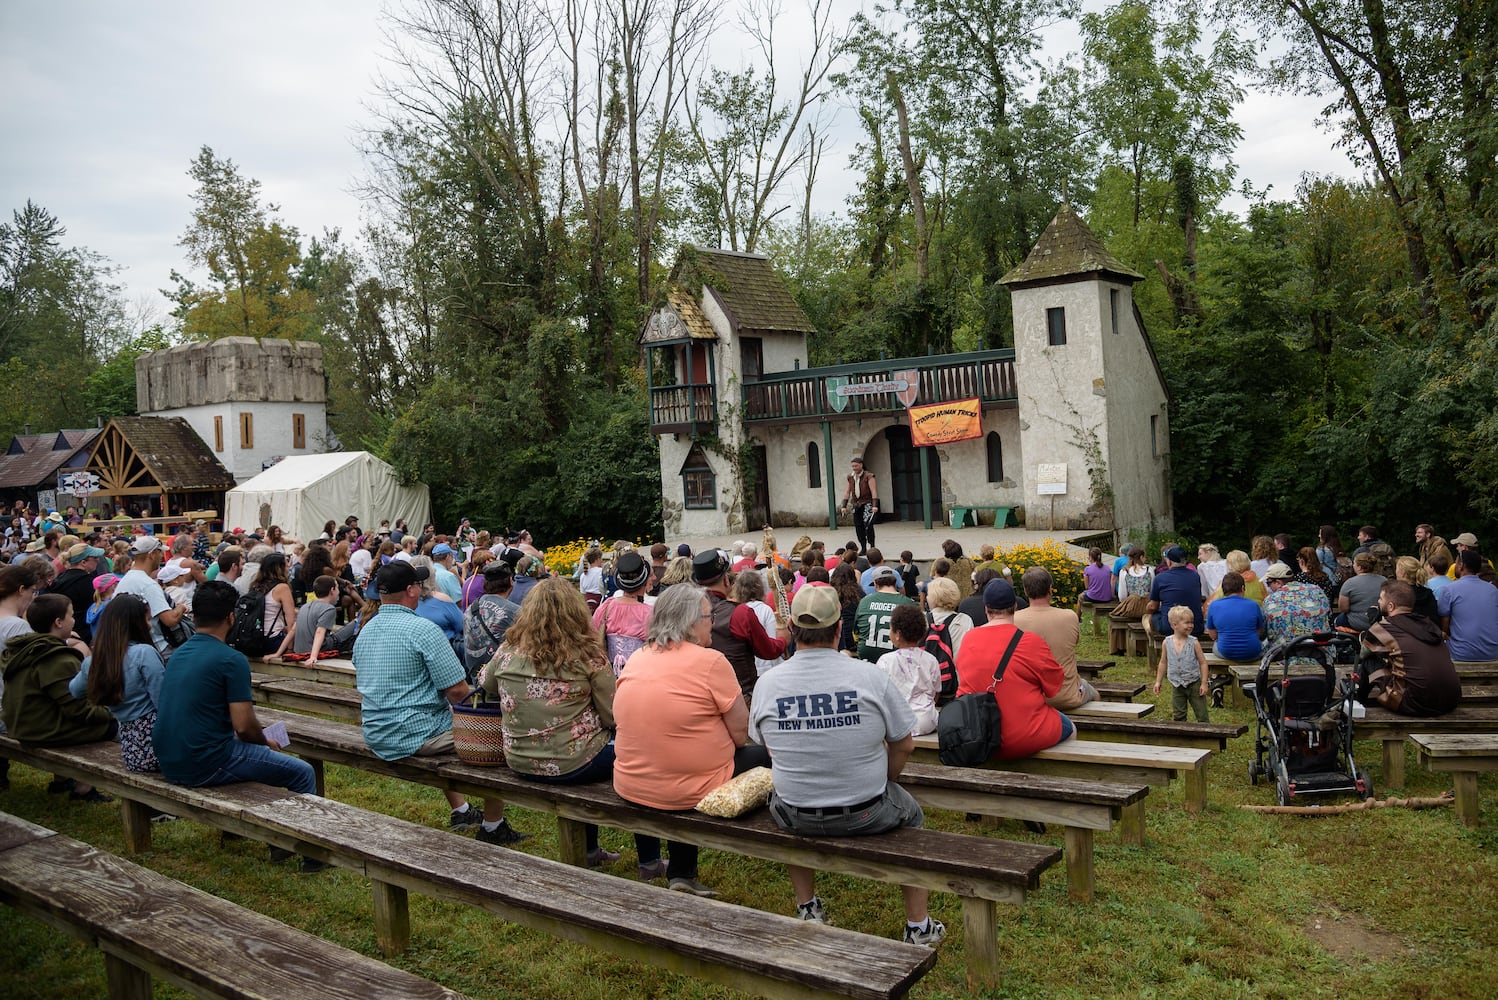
392 918
1079 864
1466 796
318 776
1131 824
572 845
126 982
1196 789
980 942
137 819
1394 763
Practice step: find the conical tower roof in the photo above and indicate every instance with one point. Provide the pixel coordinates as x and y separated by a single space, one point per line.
1068 251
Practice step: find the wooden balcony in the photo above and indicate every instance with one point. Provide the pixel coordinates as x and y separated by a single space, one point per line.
683 409
802 395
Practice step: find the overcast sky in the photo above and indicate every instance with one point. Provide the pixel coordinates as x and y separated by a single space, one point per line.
107 103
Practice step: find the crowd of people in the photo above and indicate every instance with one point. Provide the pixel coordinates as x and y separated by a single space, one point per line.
665 671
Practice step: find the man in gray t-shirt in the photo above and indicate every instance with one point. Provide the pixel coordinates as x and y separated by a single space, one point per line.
838 731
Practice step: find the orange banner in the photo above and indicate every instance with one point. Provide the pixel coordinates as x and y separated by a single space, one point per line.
943 423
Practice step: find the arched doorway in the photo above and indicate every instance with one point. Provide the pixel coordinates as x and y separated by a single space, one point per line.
905 477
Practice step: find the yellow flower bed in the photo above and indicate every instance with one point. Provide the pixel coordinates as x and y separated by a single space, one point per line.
1066 573
562 558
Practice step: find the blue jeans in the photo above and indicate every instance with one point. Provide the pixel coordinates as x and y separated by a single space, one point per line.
253 762
1068 728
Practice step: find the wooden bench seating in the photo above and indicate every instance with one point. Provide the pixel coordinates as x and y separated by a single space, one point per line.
1477 670
1128 763
748 949
1090 669
334 671
1124 692
1001 515
1159 732
1392 729
1112 709
1099 611
980 870
152 927
1464 756
1479 694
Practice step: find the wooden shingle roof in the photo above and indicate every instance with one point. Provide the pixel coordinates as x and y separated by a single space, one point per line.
133 450
746 286
33 460
1067 250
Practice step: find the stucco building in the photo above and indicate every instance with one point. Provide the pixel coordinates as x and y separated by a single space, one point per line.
1072 427
252 402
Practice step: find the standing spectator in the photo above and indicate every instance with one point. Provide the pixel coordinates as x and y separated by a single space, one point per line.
872 620
1062 630
1184 665
1469 612
961 570
409 679
839 780
1031 676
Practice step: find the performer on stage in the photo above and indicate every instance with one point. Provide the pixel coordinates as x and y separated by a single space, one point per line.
863 498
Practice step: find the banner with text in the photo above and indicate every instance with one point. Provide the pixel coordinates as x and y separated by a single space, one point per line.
943 423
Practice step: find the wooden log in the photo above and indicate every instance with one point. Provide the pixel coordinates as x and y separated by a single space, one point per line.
1389 803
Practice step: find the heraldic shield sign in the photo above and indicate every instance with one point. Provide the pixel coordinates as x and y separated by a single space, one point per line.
835 397
907 393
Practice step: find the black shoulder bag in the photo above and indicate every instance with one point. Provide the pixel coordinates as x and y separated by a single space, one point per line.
969 728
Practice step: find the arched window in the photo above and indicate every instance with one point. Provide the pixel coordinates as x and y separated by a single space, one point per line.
698 483
995 449
813 466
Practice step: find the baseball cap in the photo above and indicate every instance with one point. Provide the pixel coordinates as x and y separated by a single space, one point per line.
816 606
171 571
684 550
884 573
1175 554
82 551
441 549
1279 571
399 575
105 580
145 545
707 567
998 595
1465 538
631 571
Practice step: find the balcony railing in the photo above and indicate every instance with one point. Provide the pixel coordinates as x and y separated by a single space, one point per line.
680 407
804 394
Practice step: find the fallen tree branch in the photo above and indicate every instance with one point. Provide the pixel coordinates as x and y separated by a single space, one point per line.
1445 799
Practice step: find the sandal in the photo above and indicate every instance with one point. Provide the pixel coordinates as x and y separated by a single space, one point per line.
59 785
92 795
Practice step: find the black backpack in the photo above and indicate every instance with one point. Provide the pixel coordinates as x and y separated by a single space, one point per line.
247 634
969 729
939 645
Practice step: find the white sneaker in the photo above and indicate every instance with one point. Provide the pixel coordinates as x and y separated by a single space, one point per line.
813 911
930 938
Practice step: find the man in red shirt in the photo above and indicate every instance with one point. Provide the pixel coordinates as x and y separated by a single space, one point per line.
1032 676
737 633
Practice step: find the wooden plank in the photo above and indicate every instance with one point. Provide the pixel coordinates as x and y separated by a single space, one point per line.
340 672
392 918
1091 668
1456 744
1166 732
198 942
126 982
1476 669
1112 710
1467 803
1003 783
15 831
1481 694
1117 692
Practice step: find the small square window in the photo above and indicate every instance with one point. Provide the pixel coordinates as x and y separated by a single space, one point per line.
1055 325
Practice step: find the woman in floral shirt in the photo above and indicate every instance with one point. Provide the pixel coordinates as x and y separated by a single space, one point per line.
556 690
1292 608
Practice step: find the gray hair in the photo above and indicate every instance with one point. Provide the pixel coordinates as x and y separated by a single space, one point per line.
673 619
429 585
182 543
258 554
942 593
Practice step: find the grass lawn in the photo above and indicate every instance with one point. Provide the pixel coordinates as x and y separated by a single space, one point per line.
1389 903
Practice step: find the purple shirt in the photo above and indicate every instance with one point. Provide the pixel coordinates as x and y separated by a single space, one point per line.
1099 583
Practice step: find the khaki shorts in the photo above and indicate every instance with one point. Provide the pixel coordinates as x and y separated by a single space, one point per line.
439 744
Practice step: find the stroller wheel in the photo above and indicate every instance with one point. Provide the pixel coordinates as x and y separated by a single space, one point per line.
1367 784
1253 772
1282 792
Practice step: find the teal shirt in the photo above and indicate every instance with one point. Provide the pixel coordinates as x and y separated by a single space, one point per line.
403 664
194 733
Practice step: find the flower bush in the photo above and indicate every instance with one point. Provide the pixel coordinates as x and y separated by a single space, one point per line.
563 557
1066 573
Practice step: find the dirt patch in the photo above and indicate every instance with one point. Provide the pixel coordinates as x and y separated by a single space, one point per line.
1347 936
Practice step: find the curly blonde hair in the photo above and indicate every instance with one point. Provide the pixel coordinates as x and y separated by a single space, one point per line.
554 629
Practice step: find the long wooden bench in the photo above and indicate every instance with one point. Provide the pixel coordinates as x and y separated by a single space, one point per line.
1090 669
1076 806
980 870
152 927
336 671
1114 691
1392 729
1464 756
1079 807
1099 611
747 949
1479 694
1160 732
1122 762
1477 670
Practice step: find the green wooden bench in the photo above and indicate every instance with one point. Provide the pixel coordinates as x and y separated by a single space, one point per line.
750 950
1001 515
152 927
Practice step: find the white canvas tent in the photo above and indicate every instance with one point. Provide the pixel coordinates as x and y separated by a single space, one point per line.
303 493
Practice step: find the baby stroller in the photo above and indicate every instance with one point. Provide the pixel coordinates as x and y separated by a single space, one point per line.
1303 740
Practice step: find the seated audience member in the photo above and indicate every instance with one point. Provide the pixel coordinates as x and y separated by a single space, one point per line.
1177 586
1411 571
941 595
1436 568
1308 570
37 705
124 674
1032 676
1099 580
914 672
1469 611
837 781
488 616
206 730
1253 589
1413 673
1292 608
871 621
1062 630
1211 567
556 689
317 623
683 726
624 619
1137 576
1360 592
1235 624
